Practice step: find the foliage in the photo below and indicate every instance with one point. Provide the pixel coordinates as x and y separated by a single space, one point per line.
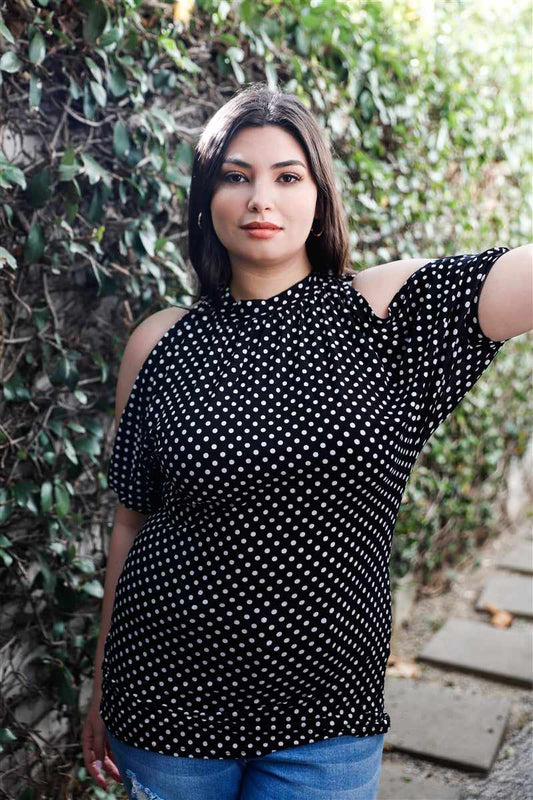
105 103
447 508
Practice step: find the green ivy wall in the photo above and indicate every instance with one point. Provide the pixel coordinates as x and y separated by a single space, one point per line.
102 104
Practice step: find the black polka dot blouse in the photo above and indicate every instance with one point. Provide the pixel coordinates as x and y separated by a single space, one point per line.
270 442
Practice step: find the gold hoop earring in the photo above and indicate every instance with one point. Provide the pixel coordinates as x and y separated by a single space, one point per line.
316 234
199 220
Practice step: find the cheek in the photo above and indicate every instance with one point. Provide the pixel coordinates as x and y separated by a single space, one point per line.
301 203
216 205
222 205
222 216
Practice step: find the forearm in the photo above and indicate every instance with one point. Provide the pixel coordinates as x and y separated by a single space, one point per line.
120 544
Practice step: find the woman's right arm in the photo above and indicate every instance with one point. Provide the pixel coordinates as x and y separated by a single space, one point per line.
126 525
96 753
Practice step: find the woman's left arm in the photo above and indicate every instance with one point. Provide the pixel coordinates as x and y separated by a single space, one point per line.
505 306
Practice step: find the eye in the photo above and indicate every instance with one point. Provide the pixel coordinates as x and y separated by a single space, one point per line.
228 175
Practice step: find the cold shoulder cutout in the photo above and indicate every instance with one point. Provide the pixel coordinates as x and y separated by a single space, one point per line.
270 442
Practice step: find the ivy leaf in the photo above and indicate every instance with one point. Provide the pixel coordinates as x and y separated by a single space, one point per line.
112 36
6 256
89 445
81 397
63 372
39 186
84 564
148 239
5 506
37 51
6 558
65 685
46 496
69 166
104 366
62 500
94 588
235 55
164 117
117 82
6 33
95 69
75 90
94 170
15 389
11 174
77 428
49 579
121 140
36 91
70 452
89 103
10 62
99 93
34 245
95 23
96 209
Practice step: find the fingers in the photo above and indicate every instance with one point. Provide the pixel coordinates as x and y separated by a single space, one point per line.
112 769
110 765
95 771
94 754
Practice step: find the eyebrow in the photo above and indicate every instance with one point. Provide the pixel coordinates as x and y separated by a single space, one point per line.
278 164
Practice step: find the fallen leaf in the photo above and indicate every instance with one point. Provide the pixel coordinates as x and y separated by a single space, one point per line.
399 667
499 617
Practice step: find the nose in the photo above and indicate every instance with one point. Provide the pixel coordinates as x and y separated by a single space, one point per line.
259 197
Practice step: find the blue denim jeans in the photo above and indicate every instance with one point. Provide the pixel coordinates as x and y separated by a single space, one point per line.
340 768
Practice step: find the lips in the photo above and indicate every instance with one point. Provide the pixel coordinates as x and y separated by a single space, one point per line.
261 226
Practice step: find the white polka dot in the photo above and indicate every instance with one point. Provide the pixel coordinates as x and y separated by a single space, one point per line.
270 442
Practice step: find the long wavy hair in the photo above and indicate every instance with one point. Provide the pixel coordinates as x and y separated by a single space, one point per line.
258 105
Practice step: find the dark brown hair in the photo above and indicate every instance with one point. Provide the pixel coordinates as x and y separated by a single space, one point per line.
258 105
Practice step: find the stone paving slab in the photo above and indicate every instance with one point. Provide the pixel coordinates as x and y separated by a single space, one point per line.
395 783
469 645
519 559
463 730
509 592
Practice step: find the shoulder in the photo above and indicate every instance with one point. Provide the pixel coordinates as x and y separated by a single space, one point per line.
156 325
139 346
379 284
148 333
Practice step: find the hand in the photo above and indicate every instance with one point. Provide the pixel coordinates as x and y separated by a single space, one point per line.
97 754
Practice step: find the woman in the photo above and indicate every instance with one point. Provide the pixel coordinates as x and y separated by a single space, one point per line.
264 441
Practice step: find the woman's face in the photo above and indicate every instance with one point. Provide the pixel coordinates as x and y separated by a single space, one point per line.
284 195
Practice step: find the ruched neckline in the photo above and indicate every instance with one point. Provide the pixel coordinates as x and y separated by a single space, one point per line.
259 306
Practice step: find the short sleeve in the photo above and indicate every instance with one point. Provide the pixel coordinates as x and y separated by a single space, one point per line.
133 473
451 350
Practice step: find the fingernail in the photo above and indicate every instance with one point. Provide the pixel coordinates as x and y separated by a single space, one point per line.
98 764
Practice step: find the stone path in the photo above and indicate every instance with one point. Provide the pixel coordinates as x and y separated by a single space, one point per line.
503 654
464 729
